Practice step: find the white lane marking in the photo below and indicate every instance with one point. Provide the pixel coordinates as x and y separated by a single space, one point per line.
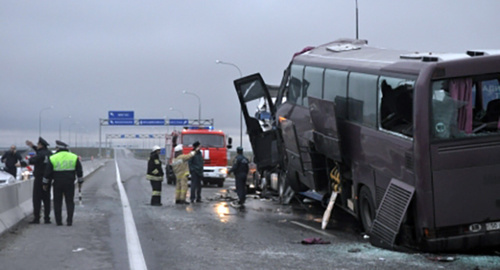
312 229
135 256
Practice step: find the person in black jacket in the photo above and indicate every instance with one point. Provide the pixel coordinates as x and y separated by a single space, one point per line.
12 160
196 171
240 171
40 160
63 168
155 175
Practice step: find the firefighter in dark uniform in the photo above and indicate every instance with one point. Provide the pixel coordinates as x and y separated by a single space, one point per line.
196 171
155 175
63 168
40 160
240 171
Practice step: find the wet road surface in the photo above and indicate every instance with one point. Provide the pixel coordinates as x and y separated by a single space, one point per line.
208 235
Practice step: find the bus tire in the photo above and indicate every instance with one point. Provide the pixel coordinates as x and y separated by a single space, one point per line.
366 208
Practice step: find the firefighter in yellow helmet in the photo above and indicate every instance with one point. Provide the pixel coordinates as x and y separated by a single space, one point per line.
155 175
181 170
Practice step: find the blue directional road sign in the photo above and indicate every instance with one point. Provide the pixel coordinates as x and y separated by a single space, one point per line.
121 114
151 122
121 122
178 122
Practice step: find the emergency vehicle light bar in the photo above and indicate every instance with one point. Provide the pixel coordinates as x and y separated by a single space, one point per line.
196 127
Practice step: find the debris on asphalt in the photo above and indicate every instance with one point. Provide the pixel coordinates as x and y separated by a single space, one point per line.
441 258
314 240
354 250
78 249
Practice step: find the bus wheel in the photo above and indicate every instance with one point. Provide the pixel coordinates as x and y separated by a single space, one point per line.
366 208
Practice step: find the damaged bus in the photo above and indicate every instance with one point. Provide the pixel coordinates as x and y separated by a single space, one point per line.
408 141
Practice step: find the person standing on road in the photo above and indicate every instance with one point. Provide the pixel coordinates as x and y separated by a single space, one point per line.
63 167
240 171
196 171
40 161
11 159
181 170
155 175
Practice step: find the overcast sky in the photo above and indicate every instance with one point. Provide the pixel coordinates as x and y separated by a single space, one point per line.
86 58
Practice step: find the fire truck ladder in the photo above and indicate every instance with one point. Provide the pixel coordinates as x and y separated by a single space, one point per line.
390 214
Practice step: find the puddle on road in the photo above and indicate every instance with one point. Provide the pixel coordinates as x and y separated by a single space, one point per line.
222 211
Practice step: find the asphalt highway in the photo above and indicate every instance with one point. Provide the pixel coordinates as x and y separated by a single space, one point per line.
115 228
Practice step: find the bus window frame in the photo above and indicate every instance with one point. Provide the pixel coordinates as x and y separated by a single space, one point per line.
379 103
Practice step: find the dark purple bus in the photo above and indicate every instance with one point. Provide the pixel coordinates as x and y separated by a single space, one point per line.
410 142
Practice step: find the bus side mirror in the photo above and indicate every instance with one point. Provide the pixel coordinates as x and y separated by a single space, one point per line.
229 143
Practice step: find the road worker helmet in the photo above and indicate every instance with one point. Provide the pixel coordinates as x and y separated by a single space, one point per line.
156 148
178 148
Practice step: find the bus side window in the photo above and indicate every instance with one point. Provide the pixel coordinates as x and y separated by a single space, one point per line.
335 89
362 99
295 85
396 105
312 84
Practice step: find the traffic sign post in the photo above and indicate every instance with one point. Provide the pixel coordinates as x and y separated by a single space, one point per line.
127 118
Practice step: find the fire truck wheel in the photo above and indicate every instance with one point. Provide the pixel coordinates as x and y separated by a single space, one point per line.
366 208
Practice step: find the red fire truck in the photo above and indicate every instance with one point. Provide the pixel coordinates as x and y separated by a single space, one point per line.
213 147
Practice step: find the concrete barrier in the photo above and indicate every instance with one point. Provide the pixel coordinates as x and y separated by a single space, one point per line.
16 198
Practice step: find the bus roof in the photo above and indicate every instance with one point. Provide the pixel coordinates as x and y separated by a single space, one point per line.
356 55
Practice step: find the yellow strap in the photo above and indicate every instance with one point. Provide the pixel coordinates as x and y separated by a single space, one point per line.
335 176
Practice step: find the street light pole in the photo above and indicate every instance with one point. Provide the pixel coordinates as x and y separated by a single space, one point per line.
40 119
241 112
69 132
60 121
199 105
357 28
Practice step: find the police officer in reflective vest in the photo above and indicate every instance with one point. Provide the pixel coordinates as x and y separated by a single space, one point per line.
63 168
240 171
155 175
40 161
